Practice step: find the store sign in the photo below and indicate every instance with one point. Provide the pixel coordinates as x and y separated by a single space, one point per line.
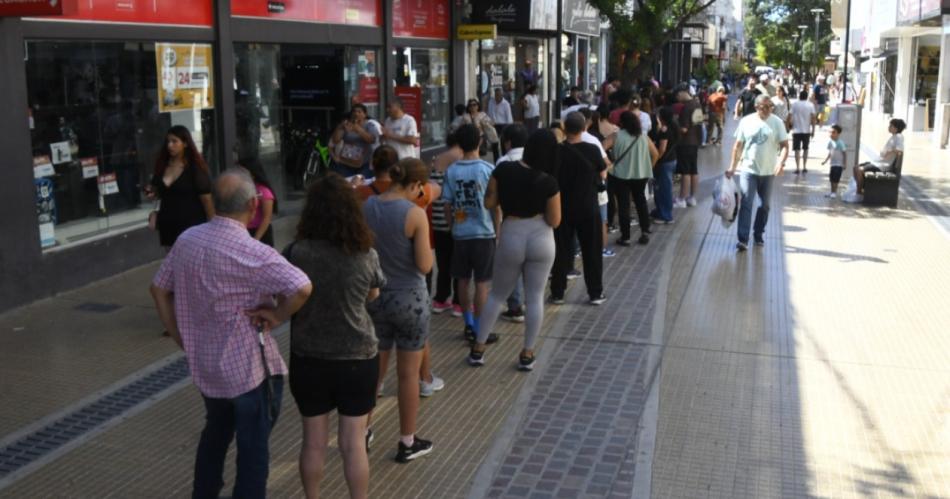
18 8
421 19
185 81
108 184
355 12
43 167
90 167
369 90
197 13
579 17
411 98
477 32
517 15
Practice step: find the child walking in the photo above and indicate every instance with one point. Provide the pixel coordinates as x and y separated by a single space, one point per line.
838 156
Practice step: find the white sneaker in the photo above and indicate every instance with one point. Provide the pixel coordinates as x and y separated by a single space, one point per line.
691 201
679 203
427 389
833 195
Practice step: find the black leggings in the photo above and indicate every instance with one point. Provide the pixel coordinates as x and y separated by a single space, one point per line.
624 188
444 285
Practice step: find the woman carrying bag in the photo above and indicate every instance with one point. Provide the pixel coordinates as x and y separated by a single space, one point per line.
633 168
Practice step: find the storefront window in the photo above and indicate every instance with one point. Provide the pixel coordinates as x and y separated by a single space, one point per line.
99 112
361 79
425 73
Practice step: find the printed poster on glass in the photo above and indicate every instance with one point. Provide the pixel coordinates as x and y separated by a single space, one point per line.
185 78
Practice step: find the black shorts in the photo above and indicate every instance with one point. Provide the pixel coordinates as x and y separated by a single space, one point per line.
320 385
687 159
800 141
835 173
473 256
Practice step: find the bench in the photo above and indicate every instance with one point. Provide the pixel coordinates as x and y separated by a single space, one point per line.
881 188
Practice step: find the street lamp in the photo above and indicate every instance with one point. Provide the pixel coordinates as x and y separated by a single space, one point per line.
801 61
818 13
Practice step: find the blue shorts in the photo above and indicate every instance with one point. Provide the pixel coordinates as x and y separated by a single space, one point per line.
603 213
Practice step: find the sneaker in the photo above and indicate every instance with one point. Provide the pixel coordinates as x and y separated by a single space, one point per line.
691 201
556 300
598 300
577 255
419 448
456 310
513 315
833 195
611 229
760 242
609 253
623 242
475 359
525 362
679 203
469 334
440 306
428 388
573 274
804 170
741 246
644 239
369 438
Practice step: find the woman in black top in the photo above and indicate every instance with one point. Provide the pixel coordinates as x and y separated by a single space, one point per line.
666 139
183 184
527 192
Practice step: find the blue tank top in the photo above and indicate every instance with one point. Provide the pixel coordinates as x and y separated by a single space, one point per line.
387 220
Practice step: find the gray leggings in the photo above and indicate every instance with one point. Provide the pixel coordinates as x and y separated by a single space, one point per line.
525 246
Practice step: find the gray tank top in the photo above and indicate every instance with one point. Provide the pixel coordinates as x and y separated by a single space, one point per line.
387 219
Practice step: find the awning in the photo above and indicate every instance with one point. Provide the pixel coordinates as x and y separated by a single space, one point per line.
868 66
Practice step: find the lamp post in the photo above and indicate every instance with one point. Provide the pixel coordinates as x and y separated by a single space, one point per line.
801 65
818 13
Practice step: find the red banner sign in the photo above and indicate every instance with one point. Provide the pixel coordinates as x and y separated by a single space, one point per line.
421 19
411 98
197 13
358 12
18 8
369 90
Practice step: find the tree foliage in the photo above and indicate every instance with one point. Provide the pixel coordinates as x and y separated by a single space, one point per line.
641 28
772 25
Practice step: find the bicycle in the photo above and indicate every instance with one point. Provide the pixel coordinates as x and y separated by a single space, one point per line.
317 162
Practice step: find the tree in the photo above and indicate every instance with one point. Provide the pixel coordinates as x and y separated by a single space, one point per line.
642 27
773 24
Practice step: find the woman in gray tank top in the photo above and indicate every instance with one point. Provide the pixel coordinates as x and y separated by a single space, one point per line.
401 314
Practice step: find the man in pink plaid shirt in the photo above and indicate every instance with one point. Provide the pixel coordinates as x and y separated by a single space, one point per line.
213 289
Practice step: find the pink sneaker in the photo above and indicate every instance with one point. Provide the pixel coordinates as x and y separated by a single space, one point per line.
440 306
456 311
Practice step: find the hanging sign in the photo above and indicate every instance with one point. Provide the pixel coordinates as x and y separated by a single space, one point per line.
108 184
45 211
369 90
579 17
43 167
90 167
477 32
185 81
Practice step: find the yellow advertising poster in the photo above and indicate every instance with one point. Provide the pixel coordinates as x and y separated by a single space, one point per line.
184 76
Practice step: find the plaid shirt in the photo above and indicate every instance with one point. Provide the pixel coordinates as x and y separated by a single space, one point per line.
217 271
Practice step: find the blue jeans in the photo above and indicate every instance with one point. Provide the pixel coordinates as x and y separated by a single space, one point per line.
247 416
663 197
346 171
750 185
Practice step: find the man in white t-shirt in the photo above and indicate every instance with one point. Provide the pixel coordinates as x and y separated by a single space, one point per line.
804 116
400 131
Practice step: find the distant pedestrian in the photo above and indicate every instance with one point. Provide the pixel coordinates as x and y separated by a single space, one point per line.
499 110
401 314
400 131
473 227
803 116
527 193
532 108
260 226
353 142
717 111
182 182
759 139
486 127
745 104
446 287
667 137
838 157
690 119
208 293
334 363
580 175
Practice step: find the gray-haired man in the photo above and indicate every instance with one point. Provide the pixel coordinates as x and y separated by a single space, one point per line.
759 138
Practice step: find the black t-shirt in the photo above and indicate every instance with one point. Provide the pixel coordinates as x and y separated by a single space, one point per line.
671 136
747 97
522 191
579 177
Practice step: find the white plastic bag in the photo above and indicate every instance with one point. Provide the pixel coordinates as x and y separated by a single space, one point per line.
726 200
851 194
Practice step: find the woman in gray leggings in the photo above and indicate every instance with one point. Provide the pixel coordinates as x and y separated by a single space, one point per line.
527 192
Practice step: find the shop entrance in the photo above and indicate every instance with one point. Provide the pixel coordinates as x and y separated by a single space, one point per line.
503 63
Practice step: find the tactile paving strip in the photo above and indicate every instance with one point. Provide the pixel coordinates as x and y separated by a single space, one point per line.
51 437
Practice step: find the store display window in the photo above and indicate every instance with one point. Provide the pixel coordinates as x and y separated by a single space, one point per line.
422 82
99 112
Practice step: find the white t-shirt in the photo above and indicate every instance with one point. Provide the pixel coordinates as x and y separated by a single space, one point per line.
802 111
894 144
532 108
645 124
837 149
500 112
405 127
590 139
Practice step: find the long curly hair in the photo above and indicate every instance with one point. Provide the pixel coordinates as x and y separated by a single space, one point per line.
333 213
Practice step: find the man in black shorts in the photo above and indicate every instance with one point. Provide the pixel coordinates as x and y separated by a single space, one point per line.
803 116
687 150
